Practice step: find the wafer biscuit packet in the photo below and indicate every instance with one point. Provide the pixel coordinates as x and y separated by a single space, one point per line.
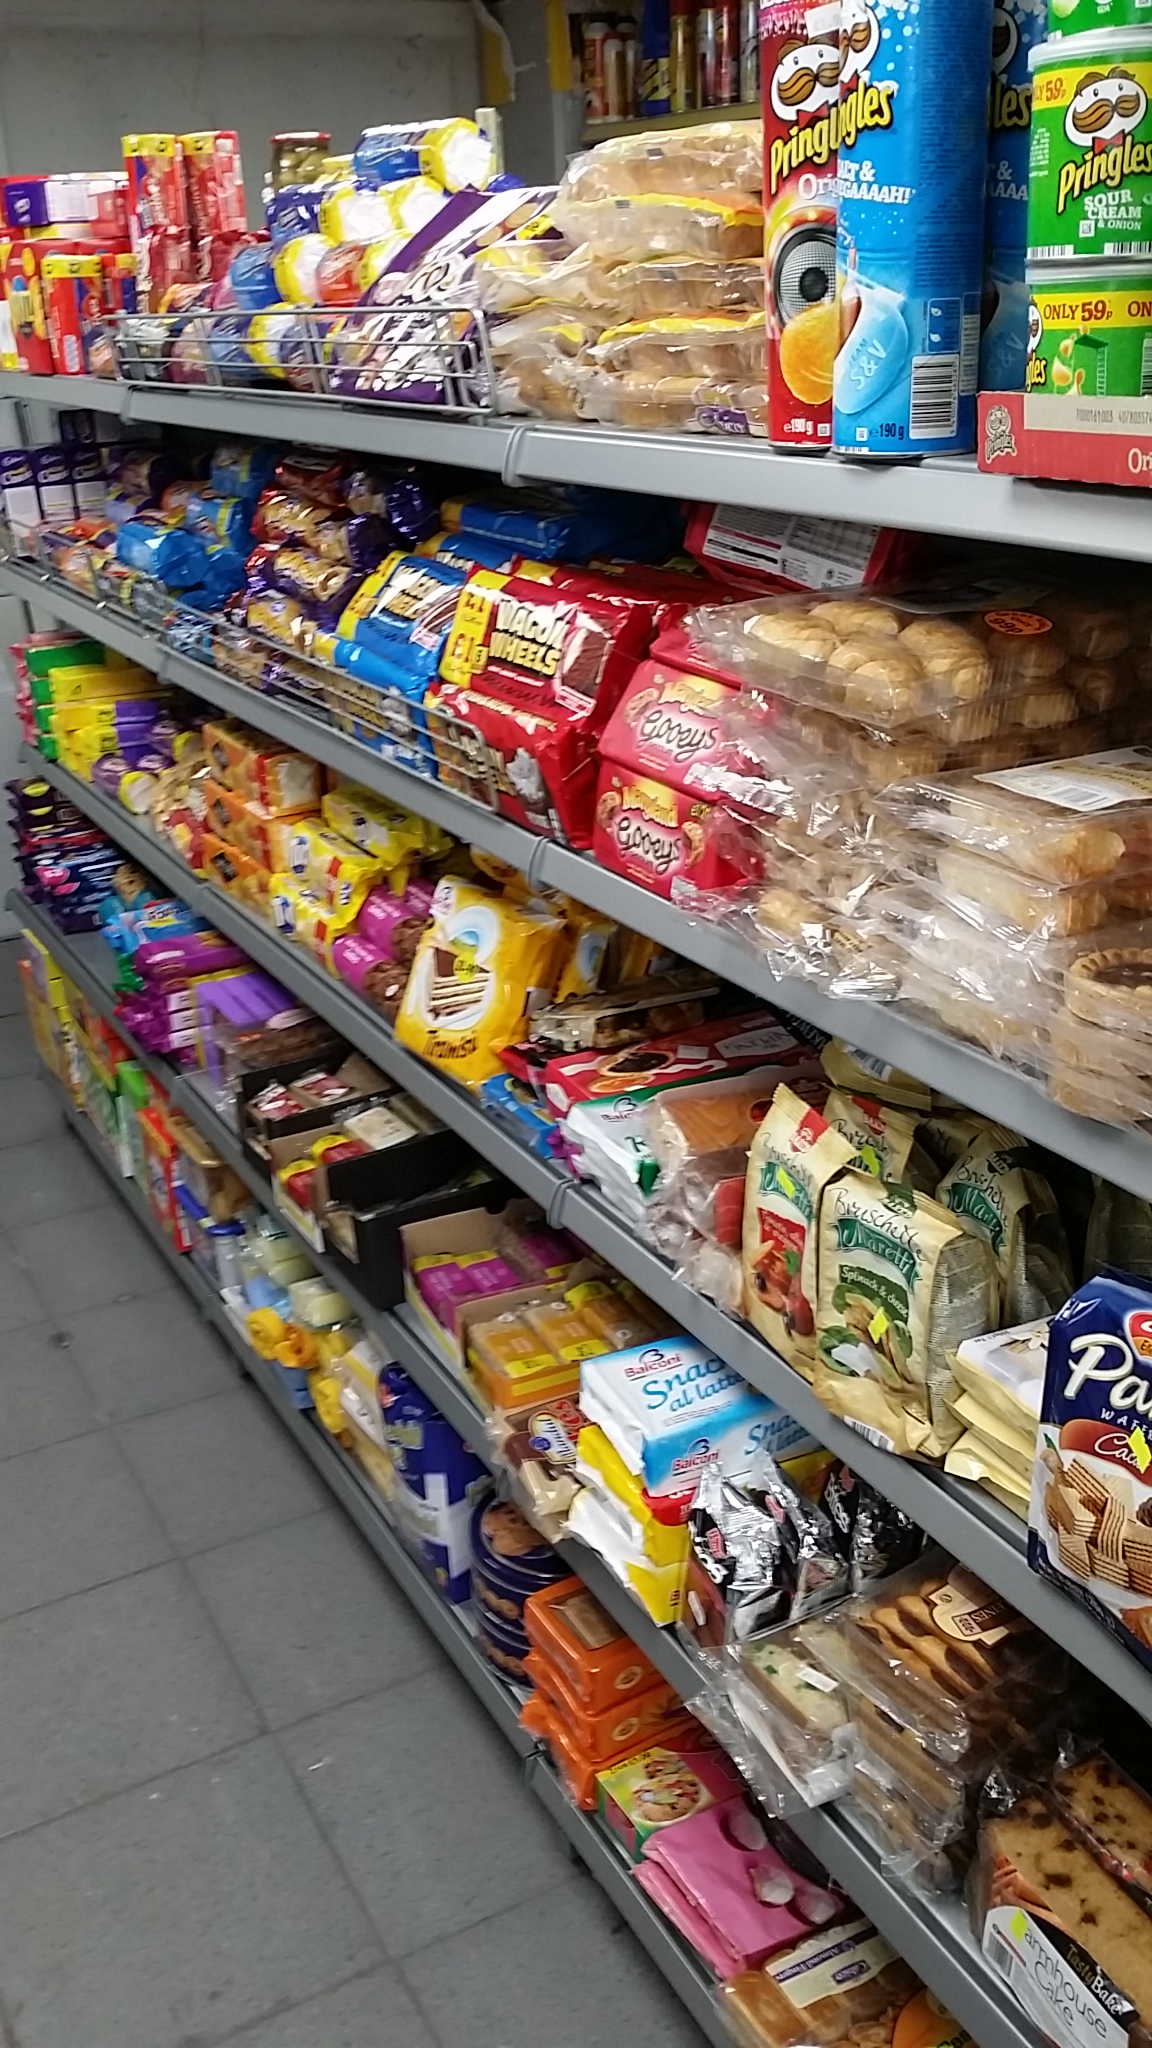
479 966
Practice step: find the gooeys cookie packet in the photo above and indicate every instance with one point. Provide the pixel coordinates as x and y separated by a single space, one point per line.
1090 1517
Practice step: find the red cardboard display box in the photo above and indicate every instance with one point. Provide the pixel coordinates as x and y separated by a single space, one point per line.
1071 439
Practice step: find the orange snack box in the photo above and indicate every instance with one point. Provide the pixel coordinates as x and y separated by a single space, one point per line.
635 1722
236 872
284 781
599 1663
250 827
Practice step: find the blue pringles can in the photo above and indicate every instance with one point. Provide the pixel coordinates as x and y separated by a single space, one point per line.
910 239
1016 25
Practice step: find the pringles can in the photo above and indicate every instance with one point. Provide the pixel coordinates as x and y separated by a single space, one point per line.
910 244
1090 161
800 66
1090 332
1016 26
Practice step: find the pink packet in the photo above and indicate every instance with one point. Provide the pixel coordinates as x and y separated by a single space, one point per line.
730 1891
667 723
381 913
354 956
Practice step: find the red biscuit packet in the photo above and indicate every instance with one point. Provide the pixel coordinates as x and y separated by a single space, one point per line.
532 672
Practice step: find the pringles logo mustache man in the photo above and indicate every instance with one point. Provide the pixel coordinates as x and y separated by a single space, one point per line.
859 40
1105 109
807 79
805 96
1107 106
862 104
808 94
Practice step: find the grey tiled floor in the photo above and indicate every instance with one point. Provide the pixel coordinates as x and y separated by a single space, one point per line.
244 1797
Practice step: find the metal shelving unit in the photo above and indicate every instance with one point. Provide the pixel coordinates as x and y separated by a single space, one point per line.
934 1937
946 495
963 1072
962 1518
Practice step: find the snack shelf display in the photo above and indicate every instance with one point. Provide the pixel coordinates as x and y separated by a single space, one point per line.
946 495
931 1934
968 1522
1122 1156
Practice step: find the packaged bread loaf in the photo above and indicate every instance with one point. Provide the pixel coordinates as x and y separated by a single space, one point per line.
901 1284
719 157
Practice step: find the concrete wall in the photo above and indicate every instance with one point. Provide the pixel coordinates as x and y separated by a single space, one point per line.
75 78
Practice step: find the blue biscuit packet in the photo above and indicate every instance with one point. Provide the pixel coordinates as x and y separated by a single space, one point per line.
173 557
403 612
507 1102
219 519
242 470
1090 1518
441 1479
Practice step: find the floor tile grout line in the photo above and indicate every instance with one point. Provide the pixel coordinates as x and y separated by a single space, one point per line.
77 1592
101 1799
283 2010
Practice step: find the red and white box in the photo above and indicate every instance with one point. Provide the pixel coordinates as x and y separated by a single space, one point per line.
1070 439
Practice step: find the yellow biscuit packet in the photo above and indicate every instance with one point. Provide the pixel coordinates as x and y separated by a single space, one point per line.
477 966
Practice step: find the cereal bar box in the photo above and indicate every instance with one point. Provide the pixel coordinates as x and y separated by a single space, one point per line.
1090 1517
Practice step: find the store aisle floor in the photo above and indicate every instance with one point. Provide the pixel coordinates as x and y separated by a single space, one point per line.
244 1796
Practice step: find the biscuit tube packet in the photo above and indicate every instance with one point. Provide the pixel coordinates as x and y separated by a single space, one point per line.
901 1284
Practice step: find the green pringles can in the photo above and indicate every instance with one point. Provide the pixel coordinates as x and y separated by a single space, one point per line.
1080 17
1090 332
1090 154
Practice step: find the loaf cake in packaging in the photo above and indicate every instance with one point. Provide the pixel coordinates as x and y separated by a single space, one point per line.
1047 1913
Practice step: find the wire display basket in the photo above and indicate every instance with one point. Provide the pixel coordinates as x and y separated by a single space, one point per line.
431 357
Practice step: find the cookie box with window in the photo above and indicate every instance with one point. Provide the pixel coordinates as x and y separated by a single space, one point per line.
1090 1518
651 1791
